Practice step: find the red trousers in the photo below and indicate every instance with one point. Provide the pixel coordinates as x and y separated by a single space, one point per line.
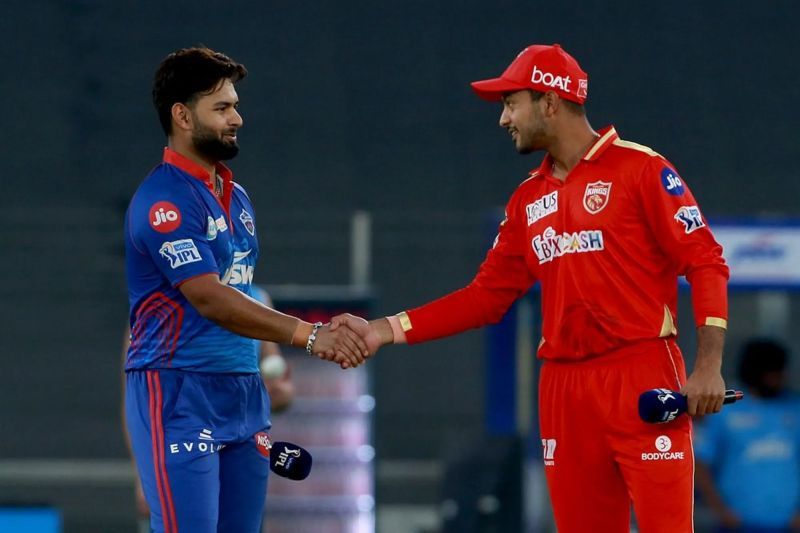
600 457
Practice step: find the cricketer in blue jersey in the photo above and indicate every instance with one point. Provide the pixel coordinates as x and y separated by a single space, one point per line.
748 458
196 408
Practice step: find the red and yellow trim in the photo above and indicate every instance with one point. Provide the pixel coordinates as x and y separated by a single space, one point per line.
156 404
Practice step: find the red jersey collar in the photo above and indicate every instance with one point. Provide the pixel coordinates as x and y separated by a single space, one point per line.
607 137
190 167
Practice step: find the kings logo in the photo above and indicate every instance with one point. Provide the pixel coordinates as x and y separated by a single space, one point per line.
595 199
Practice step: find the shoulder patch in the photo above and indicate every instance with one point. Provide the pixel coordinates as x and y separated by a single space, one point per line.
672 182
247 221
164 217
180 252
635 146
690 217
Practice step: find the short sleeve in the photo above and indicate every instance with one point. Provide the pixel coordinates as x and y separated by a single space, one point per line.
171 229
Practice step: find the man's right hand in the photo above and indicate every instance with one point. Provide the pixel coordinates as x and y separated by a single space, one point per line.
375 333
342 345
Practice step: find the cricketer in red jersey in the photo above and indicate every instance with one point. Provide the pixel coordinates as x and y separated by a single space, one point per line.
606 226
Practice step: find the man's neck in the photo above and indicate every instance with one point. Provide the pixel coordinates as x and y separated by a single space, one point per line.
570 146
187 151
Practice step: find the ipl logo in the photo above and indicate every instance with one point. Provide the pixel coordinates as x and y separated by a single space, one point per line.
179 253
286 456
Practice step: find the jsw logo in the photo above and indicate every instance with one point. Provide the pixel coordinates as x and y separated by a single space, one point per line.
550 80
238 273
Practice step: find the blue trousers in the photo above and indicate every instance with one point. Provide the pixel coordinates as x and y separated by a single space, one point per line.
200 448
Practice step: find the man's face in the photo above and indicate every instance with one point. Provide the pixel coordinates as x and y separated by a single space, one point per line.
522 117
215 121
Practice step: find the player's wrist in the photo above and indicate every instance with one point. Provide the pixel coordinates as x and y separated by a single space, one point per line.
312 337
390 330
301 333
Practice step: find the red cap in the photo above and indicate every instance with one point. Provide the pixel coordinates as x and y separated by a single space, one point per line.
542 68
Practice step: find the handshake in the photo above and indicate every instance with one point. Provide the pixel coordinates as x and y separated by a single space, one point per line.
350 340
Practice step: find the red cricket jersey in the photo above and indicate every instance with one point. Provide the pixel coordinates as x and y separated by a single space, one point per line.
607 245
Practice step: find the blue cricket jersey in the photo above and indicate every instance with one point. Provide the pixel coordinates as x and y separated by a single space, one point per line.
754 451
176 228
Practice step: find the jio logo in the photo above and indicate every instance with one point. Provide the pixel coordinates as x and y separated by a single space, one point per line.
164 217
672 182
663 443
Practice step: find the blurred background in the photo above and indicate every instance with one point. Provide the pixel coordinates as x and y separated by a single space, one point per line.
372 168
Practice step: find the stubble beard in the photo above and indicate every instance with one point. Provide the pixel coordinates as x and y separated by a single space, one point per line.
209 143
532 141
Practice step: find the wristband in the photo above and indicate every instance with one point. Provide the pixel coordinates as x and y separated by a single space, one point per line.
312 338
398 335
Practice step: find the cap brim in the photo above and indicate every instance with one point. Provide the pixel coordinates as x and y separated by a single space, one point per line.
494 89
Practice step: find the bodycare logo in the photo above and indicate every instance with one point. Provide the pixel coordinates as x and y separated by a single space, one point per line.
664 446
540 77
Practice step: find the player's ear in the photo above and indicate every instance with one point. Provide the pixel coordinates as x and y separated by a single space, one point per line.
552 102
181 116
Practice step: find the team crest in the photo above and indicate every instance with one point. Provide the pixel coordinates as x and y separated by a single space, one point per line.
595 199
247 220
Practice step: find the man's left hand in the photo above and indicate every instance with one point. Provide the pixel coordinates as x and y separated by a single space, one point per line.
705 391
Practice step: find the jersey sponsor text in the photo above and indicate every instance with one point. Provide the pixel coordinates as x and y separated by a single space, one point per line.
672 182
238 273
164 217
550 245
179 253
689 216
542 207
549 79
549 451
